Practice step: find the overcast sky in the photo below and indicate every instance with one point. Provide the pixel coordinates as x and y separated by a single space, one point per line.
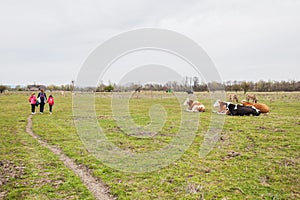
47 41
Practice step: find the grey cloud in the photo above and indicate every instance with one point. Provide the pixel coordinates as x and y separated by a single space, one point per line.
236 34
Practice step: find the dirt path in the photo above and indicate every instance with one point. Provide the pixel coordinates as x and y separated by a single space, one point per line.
95 185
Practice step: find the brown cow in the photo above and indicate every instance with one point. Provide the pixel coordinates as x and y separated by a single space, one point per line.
251 96
233 97
260 106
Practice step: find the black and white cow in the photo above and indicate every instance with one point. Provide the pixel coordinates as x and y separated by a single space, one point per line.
240 110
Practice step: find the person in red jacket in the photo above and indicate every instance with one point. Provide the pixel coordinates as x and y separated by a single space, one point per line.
32 101
51 103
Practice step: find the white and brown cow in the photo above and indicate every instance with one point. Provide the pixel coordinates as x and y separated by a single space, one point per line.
194 106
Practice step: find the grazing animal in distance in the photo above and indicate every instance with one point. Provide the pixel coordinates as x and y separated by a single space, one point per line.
194 106
233 97
260 106
251 96
138 89
240 110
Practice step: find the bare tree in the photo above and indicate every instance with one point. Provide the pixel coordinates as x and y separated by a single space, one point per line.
245 86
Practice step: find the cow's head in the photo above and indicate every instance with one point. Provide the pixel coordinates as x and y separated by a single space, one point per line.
201 108
246 103
217 103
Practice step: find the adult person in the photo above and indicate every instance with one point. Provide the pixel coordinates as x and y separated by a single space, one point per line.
42 98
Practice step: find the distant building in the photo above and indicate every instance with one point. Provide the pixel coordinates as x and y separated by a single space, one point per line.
36 87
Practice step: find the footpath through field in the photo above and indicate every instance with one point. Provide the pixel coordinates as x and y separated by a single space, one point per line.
95 185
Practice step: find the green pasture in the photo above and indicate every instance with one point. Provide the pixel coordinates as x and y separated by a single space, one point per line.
255 157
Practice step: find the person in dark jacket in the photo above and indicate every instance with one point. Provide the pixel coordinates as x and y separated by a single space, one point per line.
42 98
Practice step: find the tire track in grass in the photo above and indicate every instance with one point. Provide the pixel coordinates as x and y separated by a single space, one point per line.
95 185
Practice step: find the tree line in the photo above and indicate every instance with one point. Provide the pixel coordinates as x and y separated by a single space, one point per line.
189 84
196 86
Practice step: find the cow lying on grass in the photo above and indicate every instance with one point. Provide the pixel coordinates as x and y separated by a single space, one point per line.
263 108
235 109
222 106
194 106
241 110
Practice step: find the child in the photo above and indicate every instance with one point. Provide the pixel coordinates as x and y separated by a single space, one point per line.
32 100
51 103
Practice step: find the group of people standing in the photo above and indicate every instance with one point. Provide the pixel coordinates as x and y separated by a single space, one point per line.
41 100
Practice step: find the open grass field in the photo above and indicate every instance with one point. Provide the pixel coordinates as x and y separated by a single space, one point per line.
255 157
